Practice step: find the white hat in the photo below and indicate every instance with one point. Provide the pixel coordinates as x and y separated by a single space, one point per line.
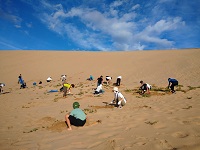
115 89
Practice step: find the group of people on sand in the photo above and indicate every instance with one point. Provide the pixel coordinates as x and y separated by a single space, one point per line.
99 89
77 117
145 87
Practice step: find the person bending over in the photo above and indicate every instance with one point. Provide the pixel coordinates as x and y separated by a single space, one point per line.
145 87
172 83
67 88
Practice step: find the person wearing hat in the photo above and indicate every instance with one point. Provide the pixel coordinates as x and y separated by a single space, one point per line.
119 99
145 87
172 83
76 117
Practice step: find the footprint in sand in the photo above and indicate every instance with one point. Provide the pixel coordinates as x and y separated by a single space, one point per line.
141 141
180 134
165 145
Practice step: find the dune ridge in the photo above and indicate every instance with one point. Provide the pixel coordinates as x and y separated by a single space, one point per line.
32 118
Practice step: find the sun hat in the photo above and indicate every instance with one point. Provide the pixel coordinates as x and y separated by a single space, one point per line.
76 105
115 89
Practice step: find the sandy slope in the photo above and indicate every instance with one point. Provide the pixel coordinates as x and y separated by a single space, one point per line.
32 118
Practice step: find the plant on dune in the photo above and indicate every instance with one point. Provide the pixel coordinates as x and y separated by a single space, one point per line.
146 95
151 122
192 88
62 111
58 85
56 99
187 107
189 97
34 129
159 89
128 90
179 88
87 110
80 93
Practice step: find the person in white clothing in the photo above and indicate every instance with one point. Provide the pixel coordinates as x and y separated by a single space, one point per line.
49 79
1 87
108 79
98 90
145 87
63 78
119 99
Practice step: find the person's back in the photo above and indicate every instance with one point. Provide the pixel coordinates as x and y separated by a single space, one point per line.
78 113
172 83
172 80
77 117
21 81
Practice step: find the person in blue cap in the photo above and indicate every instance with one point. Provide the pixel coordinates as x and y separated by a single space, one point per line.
172 83
76 117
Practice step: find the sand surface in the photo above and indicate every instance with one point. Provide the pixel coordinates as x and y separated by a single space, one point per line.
33 119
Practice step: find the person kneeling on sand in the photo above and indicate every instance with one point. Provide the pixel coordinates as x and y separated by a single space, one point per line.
119 99
76 117
99 90
145 87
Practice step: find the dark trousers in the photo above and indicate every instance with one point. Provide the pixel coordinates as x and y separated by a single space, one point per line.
118 81
173 84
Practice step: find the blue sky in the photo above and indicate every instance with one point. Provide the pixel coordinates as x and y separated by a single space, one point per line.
99 25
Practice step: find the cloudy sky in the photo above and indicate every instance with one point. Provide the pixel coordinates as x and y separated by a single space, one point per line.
99 25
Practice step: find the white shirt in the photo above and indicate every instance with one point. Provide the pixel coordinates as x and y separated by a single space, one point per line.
63 77
2 84
118 95
99 88
148 85
49 79
108 78
119 77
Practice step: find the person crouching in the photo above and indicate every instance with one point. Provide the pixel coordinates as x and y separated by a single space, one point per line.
119 99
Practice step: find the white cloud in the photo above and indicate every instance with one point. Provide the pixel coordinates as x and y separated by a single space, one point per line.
11 18
8 45
116 4
135 7
93 27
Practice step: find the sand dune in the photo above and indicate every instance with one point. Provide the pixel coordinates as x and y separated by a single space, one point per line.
33 118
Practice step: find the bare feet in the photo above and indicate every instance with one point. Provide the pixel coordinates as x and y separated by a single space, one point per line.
69 129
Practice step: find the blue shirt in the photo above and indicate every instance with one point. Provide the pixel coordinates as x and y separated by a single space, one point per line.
78 113
172 80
